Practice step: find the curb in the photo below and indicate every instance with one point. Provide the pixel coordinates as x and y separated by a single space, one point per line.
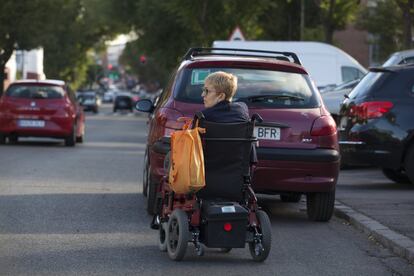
397 243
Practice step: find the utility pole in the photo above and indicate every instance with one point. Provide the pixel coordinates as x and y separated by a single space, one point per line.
302 19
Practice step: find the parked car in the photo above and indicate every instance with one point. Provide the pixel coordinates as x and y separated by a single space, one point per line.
41 108
123 101
298 151
333 98
402 57
376 122
89 101
109 96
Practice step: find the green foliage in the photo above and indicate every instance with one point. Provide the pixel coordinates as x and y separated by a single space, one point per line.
79 25
22 25
335 14
384 23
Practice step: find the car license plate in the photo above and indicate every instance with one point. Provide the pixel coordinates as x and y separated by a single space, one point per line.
267 133
31 123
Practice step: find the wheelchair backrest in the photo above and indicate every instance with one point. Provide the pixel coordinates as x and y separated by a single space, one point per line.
227 149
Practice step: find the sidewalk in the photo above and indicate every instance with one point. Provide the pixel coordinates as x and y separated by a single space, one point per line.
381 209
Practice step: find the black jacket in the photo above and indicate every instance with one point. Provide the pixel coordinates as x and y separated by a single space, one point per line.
227 112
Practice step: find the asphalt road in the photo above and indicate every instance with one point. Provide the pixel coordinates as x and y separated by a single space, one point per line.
79 211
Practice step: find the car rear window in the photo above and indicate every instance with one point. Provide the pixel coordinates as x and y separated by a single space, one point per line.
35 92
258 88
367 83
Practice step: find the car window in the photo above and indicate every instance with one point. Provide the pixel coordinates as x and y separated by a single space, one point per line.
407 60
35 92
350 73
364 87
261 88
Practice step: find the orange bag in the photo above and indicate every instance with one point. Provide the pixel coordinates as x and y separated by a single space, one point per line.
187 160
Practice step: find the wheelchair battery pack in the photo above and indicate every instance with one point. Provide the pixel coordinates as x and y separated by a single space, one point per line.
224 225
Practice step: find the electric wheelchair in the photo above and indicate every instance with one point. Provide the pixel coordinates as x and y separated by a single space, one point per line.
224 214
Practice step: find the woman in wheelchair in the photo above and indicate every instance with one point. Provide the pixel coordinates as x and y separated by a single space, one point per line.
224 214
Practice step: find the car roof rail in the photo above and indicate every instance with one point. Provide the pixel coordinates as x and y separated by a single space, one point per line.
193 52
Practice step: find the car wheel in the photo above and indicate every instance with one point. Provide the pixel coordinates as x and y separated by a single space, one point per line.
71 139
293 197
95 110
409 164
13 139
260 251
79 139
395 175
145 175
115 109
2 139
177 235
320 206
151 197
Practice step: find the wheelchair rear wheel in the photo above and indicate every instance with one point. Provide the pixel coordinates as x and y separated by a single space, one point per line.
259 250
177 235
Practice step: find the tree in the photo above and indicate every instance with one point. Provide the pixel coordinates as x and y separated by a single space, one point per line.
79 26
335 14
166 29
22 25
383 22
407 8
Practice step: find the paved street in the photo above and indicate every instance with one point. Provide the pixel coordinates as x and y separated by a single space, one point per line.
79 211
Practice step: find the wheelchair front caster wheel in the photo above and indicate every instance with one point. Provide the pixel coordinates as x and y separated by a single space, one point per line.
177 235
200 250
162 237
260 248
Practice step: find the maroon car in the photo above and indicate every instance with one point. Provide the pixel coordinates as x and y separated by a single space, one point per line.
41 108
298 149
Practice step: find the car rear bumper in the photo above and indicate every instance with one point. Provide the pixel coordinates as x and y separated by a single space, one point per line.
56 128
360 153
293 170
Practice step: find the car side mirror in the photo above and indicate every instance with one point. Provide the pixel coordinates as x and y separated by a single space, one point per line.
144 105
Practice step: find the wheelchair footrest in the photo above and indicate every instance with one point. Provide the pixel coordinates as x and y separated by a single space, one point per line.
224 225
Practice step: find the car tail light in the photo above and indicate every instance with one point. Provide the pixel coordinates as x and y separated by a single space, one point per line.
227 227
323 126
167 119
370 110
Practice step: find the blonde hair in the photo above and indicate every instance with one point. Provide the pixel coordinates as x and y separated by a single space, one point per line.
223 82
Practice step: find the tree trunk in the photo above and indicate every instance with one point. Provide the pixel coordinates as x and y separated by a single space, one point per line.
4 57
407 7
329 29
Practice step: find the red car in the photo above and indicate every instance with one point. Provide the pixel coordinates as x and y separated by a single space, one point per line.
298 149
41 108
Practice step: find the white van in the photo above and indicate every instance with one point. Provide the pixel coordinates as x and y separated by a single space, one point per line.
326 64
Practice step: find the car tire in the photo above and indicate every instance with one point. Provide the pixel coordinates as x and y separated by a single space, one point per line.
409 164
151 197
70 140
79 139
115 109
293 197
13 139
145 175
266 239
395 175
177 235
320 206
2 139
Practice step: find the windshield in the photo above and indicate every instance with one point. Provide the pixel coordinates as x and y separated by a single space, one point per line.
262 88
35 92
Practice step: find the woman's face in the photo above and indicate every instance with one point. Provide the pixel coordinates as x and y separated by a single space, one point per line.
210 95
